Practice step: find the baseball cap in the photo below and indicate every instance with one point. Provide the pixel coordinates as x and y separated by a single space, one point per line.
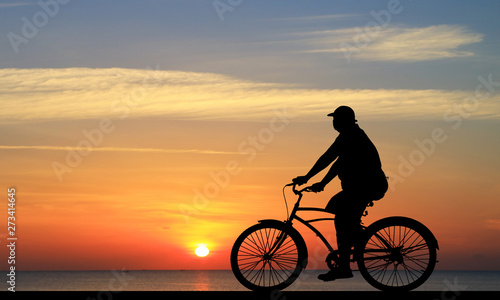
343 112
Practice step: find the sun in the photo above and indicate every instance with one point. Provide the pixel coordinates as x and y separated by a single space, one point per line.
202 251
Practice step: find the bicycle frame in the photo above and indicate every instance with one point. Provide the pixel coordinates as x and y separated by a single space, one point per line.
297 208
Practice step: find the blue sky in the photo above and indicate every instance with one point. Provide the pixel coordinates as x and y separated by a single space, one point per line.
273 38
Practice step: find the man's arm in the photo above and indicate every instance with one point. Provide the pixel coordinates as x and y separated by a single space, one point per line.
320 186
334 171
324 161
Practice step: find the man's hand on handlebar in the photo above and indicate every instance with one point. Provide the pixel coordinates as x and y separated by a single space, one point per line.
300 180
317 187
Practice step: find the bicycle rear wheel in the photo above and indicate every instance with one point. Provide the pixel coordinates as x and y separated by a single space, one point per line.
268 256
398 254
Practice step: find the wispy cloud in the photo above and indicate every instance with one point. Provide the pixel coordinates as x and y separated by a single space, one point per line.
318 18
396 43
419 44
116 149
15 4
493 223
79 93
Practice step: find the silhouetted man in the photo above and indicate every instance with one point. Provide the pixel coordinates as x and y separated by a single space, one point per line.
359 169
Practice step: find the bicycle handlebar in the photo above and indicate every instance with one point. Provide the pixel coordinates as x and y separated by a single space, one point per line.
298 192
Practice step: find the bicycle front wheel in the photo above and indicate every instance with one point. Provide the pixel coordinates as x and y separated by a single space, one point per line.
268 256
398 254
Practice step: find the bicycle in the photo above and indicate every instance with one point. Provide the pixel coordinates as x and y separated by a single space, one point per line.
393 253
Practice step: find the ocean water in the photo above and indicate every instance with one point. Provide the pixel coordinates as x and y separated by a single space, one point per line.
223 280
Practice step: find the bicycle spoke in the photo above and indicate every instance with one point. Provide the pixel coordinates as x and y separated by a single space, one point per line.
285 265
256 243
278 274
253 244
411 273
256 274
251 269
249 251
381 271
422 246
267 234
422 265
262 241
285 271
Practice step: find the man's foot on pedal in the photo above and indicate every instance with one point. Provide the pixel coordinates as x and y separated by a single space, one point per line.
336 273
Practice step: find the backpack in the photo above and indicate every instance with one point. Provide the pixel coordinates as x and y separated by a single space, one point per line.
380 186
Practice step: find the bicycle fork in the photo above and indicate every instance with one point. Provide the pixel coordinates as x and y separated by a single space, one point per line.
277 244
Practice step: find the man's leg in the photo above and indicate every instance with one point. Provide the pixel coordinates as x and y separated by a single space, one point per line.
347 226
348 212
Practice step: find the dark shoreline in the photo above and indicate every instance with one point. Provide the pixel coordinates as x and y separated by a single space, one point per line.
284 295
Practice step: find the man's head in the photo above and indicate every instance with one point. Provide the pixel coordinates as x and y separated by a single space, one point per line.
343 117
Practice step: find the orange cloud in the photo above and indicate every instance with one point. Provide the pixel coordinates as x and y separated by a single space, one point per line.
493 223
82 93
117 149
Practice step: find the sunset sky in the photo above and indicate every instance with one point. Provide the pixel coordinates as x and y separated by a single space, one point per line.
135 131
